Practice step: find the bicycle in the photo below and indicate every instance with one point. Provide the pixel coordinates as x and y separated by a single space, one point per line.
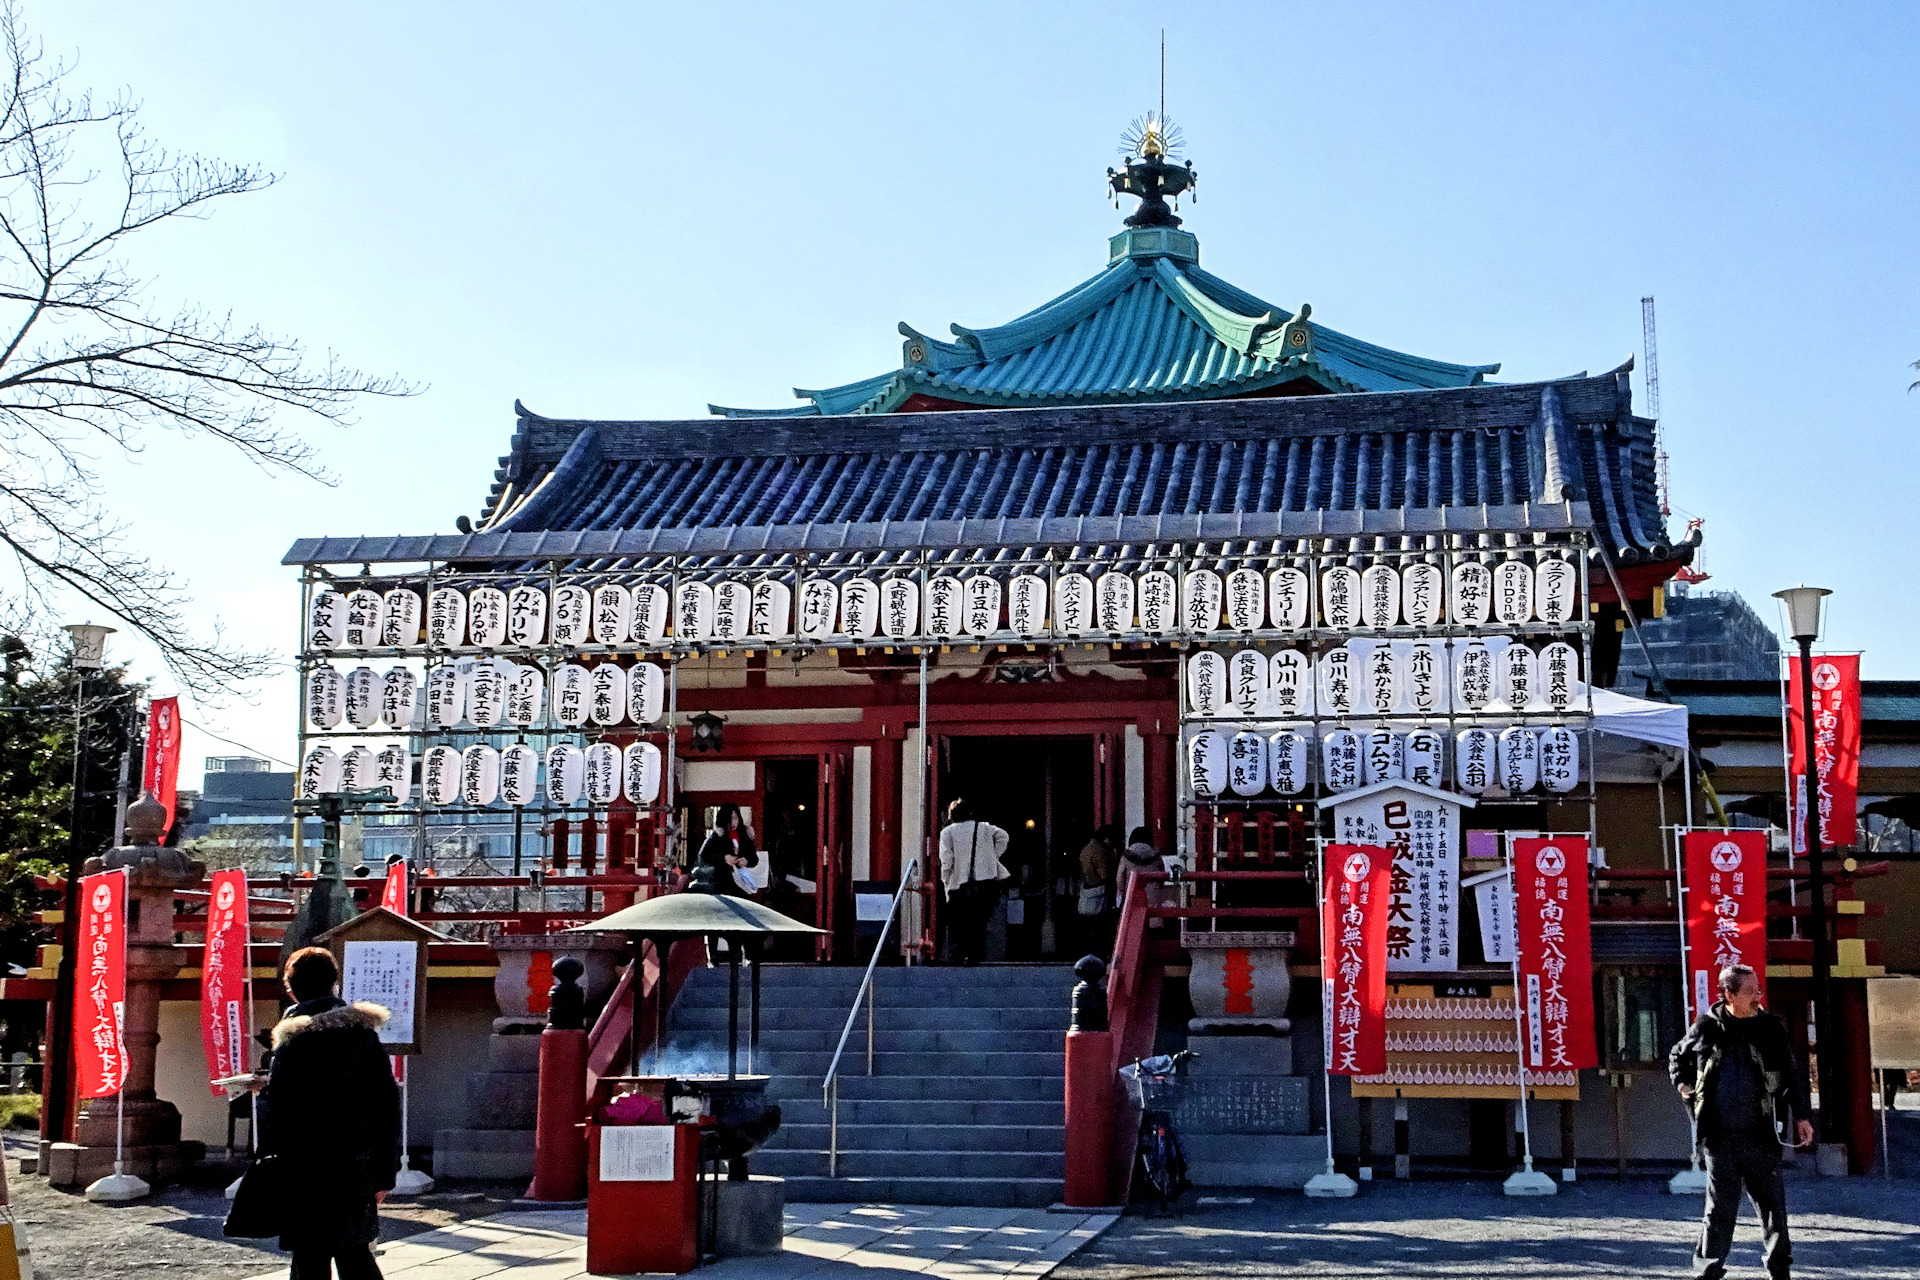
1156 1085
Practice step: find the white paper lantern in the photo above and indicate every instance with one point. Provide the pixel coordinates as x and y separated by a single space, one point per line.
1290 684
519 775
1073 604
479 774
1516 676
566 772
1246 600
1206 683
1559 759
362 694
859 608
326 620
1519 757
572 616
943 606
1340 597
1340 760
1425 758
1247 682
1289 598
364 613
819 608
1558 680
1513 592
487 692
732 611
602 772
649 613
399 691
440 775
981 610
899 608
400 619
1472 676
1158 601
1207 763
1287 762
1380 596
1380 680
446 696
319 772
446 618
1027 604
1473 760
772 609
1201 595
1422 594
1339 682
527 617
1115 605
1247 764
1556 590
571 689
356 769
640 772
325 697
487 617
646 693
607 702
693 612
1424 673
1383 756
612 614
1472 593
393 769
526 690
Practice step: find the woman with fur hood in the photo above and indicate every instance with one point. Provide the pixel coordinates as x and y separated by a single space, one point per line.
332 1123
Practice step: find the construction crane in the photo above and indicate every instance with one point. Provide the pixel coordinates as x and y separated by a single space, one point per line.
1652 376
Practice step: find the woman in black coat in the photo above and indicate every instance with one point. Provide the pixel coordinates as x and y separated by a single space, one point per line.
333 1123
730 838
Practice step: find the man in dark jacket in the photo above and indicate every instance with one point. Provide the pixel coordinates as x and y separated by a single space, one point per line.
333 1123
1737 1072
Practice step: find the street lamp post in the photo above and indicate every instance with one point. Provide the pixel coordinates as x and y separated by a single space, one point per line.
1803 606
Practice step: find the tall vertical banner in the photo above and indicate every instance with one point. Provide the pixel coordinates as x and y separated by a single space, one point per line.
1726 909
100 994
225 973
1353 957
161 773
1836 732
1556 952
393 894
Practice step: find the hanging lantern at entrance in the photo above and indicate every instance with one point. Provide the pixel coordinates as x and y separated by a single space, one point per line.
693 612
1473 676
1421 592
772 609
732 611
1115 590
1519 757
1473 760
859 608
602 773
1289 598
1516 679
1556 590
356 769
1559 676
1340 760
400 619
982 610
607 703
572 615
1200 599
1338 697
326 620
527 617
325 697
819 608
362 697
612 614
1247 764
519 775
1158 598
362 629
487 617
1513 592
1424 758
649 613
1290 684
1559 759
646 693
566 771
943 606
1073 604
1380 596
1472 594
571 694
399 689
319 772
1383 756
1246 600
1207 763
479 774
899 608
393 769
1027 605
641 772
1287 762
1247 682
1340 597
440 775
1425 671
526 687
1380 694
487 691
446 619
1206 683
446 696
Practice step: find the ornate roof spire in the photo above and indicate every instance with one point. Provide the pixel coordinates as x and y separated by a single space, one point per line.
1150 144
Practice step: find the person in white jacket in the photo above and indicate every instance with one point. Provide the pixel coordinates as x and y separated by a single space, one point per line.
971 872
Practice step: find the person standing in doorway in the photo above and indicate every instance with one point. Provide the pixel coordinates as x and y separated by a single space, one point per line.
1139 855
1096 890
727 847
1737 1071
971 872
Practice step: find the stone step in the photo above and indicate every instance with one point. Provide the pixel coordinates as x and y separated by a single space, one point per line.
912 1164
886 1017
925 1039
707 996
1011 1193
921 1137
890 1063
936 1087
809 1110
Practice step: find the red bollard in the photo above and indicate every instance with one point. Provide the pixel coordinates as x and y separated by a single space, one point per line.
560 1146
1089 1117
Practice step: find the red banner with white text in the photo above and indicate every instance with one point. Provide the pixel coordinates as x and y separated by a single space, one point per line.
393 894
1353 957
160 776
1556 952
100 989
1836 731
1726 910
225 1015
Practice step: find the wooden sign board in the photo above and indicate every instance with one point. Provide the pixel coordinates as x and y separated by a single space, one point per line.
383 959
1893 1023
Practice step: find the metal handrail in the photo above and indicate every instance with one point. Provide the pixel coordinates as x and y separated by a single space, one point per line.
830 1087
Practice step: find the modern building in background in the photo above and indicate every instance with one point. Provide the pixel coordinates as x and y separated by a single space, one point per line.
244 815
1704 635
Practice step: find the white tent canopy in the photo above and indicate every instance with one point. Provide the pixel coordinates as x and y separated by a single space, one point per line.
1661 723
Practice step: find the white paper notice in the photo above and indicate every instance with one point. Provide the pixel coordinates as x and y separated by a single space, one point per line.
383 972
636 1153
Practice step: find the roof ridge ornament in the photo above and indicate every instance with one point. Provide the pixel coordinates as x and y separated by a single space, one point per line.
1296 336
1150 143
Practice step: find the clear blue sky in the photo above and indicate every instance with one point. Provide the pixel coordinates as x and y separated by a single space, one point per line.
628 211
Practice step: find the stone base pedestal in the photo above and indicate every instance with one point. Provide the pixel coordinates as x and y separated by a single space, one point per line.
1254 1159
70 1164
503 1104
748 1217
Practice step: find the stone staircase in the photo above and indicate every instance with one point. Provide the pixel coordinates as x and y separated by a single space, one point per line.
965 1106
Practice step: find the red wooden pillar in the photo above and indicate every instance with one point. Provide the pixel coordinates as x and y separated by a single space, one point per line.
1089 1118
560 837
886 859
1160 817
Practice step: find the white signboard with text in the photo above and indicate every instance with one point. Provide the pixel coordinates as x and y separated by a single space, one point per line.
384 973
1422 826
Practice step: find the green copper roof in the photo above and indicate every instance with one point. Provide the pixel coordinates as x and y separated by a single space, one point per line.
1150 327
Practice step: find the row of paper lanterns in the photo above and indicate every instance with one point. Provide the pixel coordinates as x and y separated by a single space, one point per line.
1381 678
480 774
486 693
1515 760
949 607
